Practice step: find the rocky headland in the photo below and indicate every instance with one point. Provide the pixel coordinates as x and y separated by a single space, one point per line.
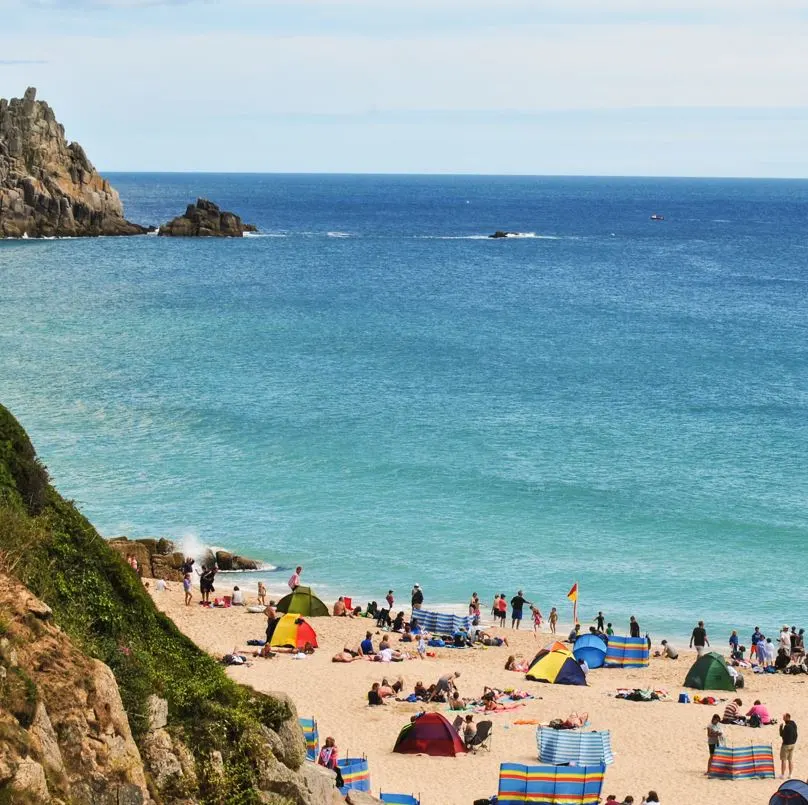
205 219
48 187
102 700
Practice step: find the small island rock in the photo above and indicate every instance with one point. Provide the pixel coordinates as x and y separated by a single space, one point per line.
205 219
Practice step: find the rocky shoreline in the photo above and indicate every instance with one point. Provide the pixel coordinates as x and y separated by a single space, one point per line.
49 188
158 558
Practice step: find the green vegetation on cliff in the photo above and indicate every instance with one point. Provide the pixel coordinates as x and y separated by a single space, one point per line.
103 607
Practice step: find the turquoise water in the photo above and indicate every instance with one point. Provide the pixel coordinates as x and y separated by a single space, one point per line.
378 392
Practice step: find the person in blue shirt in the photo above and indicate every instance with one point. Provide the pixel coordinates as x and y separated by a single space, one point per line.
366 646
414 627
757 637
733 645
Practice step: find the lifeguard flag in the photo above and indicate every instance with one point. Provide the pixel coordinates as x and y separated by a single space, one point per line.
573 593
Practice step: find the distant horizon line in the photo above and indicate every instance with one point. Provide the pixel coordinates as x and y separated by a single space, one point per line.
107 172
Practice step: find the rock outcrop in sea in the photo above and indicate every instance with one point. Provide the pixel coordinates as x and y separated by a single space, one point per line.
203 220
48 187
102 700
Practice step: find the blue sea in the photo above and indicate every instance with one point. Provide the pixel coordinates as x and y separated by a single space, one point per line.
374 389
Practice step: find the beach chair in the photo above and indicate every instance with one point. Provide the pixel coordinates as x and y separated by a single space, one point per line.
482 739
400 799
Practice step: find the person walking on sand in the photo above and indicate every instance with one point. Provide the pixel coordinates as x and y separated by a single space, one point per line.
537 617
262 594
699 638
600 621
553 620
715 737
517 604
633 627
788 733
294 579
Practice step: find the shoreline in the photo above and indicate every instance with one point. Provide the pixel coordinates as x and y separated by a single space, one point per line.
658 745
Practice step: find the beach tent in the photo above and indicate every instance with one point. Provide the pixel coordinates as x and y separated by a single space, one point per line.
561 747
742 762
293 631
355 774
312 736
591 648
441 622
709 672
429 734
627 652
556 665
791 792
550 785
302 602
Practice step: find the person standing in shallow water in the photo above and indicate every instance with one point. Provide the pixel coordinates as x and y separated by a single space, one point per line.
633 627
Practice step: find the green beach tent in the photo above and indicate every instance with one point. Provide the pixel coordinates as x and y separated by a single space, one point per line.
302 602
709 672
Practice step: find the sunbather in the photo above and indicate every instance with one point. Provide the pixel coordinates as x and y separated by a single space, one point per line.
512 664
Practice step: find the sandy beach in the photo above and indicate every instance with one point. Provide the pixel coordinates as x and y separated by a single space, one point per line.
657 745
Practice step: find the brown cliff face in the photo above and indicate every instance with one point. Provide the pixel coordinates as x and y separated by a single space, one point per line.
48 187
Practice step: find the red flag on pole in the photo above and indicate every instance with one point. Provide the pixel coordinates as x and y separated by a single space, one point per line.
573 596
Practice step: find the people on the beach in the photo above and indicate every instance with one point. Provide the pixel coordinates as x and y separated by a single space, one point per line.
600 621
517 604
757 637
186 586
734 642
782 660
374 697
514 664
474 606
329 755
574 632
699 638
206 578
733 714
444 687
609 630
668 651
537 617
633 627
788 735
650 797
238 597
390 600
758 714
294 579
584 665
552 620
502 609
340 610
715 736
456 702
366 646
262 593
469 731
416 596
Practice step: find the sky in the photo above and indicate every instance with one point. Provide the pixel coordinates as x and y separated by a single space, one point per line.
586 87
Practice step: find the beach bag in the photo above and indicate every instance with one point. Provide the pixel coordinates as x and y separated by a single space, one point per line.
754 720
684 698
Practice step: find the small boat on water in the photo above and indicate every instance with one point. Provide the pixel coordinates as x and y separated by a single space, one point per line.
657 217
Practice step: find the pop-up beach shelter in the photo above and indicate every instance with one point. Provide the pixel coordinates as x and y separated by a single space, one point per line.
591 649
742 762
441 622
355 774
627 652
429 734
312 736
302 602
709 672
561 747
399 799
550 785
791 792
293 631
556 665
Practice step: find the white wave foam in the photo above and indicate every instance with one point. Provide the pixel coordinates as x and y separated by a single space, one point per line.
339 234
509 236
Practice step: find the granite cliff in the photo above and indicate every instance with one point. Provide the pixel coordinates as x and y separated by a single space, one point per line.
48 187
102 700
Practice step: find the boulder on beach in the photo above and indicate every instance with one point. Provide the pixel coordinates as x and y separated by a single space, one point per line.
205 220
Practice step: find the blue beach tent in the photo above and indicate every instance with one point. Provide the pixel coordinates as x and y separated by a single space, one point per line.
791 792
591 649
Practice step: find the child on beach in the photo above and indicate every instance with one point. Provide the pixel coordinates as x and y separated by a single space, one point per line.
186 585
537 617
421 647
262 594
553 620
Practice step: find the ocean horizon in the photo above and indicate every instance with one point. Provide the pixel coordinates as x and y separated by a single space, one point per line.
373 388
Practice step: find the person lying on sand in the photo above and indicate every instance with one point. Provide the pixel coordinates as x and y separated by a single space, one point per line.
512 664
421 691
346 655
491 640
386 690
